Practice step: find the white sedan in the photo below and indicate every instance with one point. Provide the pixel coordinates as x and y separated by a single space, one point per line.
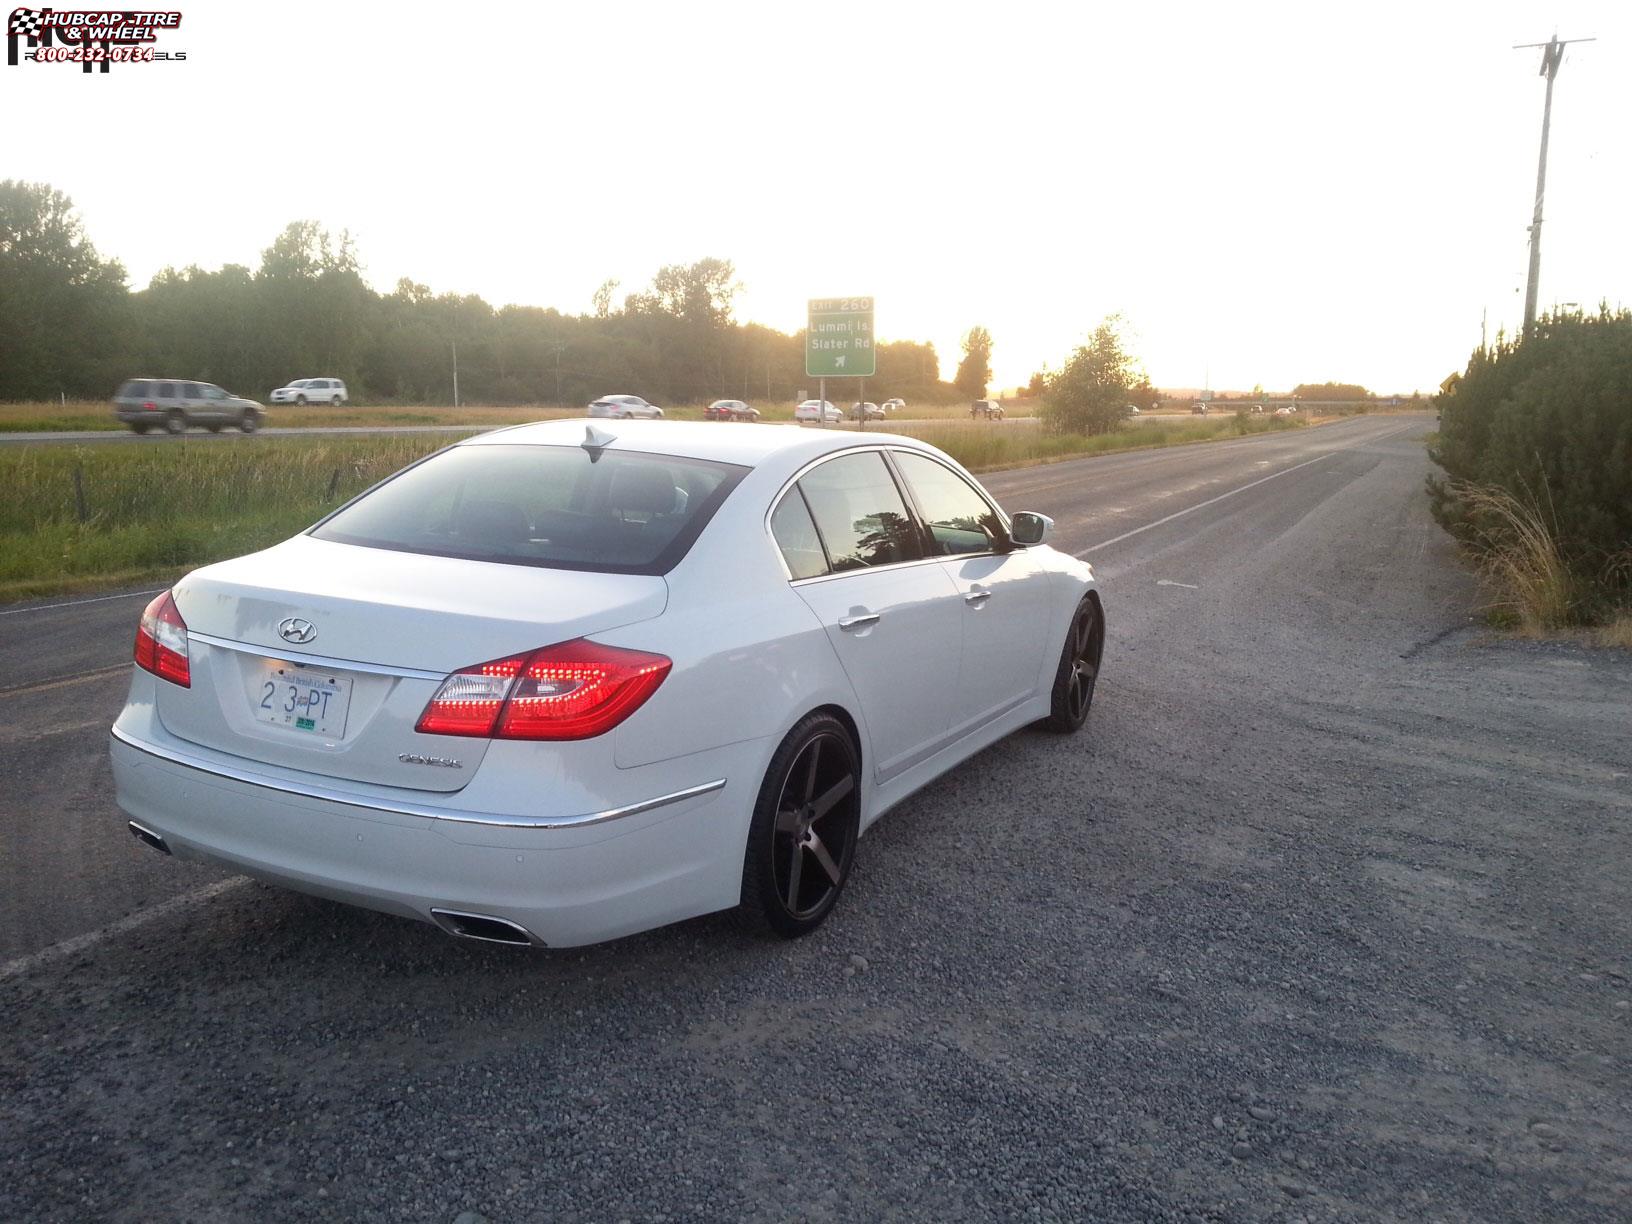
824 411
624 408
556 684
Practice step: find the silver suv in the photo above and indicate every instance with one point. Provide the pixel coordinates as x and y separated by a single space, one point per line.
173 404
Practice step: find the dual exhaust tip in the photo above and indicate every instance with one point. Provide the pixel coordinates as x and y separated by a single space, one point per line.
147 837
483 927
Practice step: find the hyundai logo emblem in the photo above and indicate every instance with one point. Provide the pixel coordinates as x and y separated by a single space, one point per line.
295 629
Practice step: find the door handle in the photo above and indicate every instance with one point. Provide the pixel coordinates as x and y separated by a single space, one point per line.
976 598
849 623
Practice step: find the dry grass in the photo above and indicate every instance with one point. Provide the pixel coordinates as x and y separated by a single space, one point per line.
1617 634
1518 552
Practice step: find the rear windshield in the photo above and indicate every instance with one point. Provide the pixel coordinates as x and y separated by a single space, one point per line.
553 506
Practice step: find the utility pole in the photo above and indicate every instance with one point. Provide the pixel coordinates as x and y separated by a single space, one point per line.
1552 55
456 373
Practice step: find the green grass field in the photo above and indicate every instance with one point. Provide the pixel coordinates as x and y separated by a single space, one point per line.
89 516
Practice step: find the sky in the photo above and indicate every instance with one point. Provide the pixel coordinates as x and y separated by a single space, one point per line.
1268 194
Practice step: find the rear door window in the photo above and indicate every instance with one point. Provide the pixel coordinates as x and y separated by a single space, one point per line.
859 512
167 391
795 534
624 512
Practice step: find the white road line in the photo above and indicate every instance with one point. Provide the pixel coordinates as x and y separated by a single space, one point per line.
1189 586
1128 535
73 603
130 922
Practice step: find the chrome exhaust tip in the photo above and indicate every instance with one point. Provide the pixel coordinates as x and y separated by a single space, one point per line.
147 837
484 927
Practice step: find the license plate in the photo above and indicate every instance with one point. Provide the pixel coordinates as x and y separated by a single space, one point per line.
302 699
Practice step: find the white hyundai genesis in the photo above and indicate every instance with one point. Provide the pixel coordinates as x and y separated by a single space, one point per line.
560 683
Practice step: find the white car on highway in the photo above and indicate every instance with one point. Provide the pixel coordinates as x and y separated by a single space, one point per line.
624 408
312 391
560 683
818 410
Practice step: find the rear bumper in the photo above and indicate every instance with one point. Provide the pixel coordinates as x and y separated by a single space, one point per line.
577 878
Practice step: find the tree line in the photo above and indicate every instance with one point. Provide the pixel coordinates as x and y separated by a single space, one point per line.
71 325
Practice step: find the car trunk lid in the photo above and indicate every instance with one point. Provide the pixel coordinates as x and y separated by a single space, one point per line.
321 656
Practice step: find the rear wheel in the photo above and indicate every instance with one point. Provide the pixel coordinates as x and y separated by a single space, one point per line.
175 421
803 837
1078 673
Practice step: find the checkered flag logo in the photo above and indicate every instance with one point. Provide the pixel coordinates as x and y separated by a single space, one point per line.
26 22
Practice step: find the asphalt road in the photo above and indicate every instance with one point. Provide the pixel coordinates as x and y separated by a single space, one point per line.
82 436
1323 917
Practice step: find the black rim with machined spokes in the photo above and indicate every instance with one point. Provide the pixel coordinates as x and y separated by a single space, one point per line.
815 826
1086 645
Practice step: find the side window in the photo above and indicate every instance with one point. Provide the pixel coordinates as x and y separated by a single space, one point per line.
192 391
796 537
166 391
959 519
133 390
859 512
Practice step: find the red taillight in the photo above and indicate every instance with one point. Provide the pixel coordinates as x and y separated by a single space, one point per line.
161 642
469 701
150 406
570 691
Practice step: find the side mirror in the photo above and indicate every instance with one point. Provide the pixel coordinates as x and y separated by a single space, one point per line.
1028 528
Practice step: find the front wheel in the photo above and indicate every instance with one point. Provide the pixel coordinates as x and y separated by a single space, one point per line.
301 400
250 421
1078 673
803 837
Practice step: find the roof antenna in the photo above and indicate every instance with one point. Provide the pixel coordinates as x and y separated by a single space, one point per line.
595 442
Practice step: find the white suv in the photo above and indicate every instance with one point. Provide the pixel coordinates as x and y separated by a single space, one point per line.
312 391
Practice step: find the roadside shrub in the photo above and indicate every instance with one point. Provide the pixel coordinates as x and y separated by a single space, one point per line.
1536 440
1089 394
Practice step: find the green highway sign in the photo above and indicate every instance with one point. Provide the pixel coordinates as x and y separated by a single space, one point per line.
839 339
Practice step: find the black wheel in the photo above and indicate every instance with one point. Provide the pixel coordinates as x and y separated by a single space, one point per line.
803 837
1079 669
301 400
175 421
249 421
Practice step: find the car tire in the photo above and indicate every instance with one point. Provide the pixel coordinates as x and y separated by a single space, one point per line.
301 400
249 421
175 421
1078 673
802 840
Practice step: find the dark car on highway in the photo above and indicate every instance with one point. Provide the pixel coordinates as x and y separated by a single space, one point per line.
990 409
175 404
